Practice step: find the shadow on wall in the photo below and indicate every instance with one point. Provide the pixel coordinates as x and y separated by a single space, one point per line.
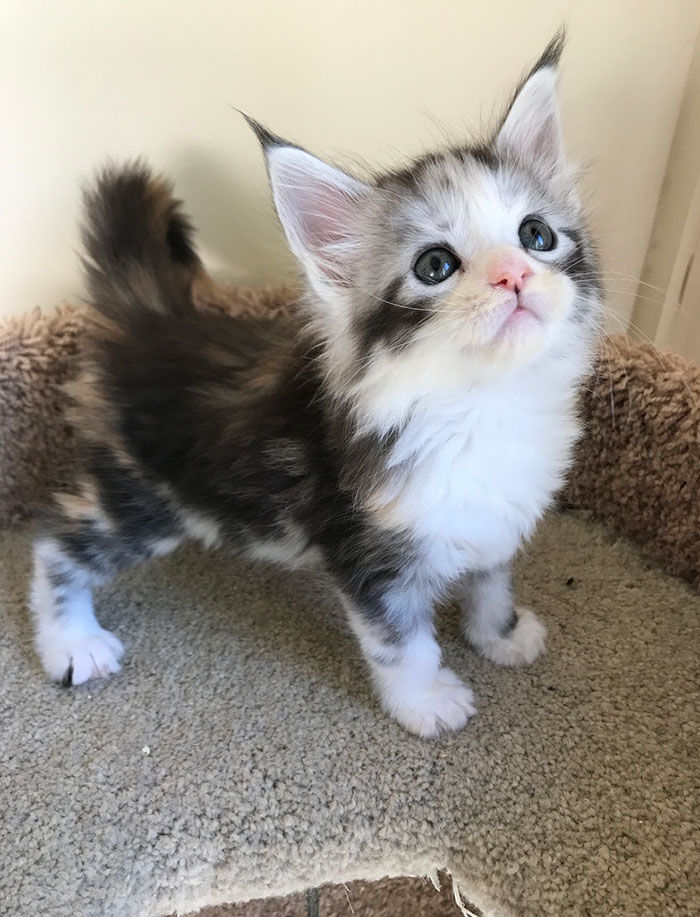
239 214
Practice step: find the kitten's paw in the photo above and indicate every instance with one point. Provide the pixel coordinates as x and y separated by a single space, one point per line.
521 646
73 659
444 705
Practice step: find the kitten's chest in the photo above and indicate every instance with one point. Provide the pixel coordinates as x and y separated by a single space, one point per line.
479 478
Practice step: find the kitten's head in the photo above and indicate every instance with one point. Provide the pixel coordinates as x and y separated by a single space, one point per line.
468 264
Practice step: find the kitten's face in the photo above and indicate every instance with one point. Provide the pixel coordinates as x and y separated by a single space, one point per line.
469 254
468 264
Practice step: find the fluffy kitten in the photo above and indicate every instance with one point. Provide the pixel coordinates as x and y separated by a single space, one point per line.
405 441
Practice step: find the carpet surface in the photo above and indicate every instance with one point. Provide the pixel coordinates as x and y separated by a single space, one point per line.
638 465
240 753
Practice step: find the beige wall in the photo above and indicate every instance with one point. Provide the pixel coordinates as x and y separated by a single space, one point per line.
668 304
87 79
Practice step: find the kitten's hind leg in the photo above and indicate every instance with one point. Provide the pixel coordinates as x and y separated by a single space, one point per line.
405 665
493 625
71 644
81 546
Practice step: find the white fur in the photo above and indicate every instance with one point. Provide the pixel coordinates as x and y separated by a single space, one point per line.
164 546
475 468
425 706
291 551
487 604
201 528
413 687
524 644
532 127
68 635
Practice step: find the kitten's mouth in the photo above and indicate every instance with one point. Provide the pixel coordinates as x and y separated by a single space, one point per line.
521 316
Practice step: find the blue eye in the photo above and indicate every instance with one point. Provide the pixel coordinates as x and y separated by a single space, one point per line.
536 235
436 265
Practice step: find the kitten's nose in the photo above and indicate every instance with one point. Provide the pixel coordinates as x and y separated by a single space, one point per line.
509 271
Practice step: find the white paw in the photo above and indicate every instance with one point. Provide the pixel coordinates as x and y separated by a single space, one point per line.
444 705
74 658
521 646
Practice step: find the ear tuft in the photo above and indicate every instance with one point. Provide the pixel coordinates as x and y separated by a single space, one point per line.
551 56
318 206
531 129
264 135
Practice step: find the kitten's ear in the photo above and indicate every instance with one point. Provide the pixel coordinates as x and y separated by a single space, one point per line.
531 128
317 205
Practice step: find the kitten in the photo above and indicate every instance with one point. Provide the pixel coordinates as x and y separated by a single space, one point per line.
405 440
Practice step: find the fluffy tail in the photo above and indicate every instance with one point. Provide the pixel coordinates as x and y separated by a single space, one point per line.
138 244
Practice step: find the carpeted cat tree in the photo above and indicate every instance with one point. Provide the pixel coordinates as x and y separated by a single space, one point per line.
239 754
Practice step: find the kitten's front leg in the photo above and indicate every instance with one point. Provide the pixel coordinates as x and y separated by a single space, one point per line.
404 662
493 626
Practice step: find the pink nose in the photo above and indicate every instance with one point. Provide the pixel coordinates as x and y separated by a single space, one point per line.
510 272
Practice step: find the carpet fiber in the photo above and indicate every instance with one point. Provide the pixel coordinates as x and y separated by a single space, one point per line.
240 753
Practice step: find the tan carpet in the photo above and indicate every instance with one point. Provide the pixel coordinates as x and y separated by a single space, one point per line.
240 753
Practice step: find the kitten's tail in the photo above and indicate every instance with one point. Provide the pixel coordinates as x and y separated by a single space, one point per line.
138 243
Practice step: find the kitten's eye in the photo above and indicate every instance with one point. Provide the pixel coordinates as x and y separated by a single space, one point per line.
436 265
536 235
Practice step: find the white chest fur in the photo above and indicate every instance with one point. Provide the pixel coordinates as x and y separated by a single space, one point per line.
473 472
